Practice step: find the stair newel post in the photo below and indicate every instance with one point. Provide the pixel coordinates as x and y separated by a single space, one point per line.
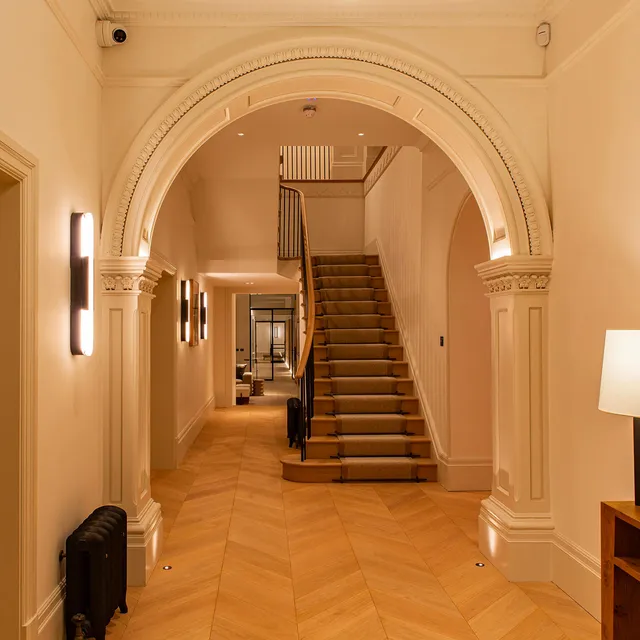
516 526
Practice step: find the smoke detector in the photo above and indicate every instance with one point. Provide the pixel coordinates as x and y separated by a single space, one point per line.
309 110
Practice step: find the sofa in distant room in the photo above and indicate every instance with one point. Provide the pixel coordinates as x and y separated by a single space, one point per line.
244 384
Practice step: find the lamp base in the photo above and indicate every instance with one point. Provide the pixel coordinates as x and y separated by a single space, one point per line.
636 458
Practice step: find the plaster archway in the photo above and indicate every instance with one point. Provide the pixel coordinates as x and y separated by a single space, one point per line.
417 89
472 133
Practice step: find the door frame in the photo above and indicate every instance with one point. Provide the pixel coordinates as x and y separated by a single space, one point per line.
22 166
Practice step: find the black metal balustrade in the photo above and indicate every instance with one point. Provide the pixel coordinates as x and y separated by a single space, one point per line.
290 236
293 242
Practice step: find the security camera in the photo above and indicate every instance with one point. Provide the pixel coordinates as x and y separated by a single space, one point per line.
110 34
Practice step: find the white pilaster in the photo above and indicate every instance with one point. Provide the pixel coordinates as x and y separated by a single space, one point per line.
127 286
516 527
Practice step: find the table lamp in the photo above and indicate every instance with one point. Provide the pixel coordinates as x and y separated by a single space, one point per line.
620 386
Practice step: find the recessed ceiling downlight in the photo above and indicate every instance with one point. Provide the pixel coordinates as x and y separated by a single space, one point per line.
241 135
361 134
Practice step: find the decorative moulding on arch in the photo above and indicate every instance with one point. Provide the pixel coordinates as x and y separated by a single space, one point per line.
516 273
333 52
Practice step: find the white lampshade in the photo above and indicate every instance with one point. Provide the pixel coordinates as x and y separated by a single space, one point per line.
620 383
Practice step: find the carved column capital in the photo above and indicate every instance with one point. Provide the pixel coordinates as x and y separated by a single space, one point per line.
517 274
129 275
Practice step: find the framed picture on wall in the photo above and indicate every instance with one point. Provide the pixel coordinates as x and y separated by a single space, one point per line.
194 337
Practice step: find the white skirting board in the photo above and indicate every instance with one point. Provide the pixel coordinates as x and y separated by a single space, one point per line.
465 474
577 573
191 431
50 620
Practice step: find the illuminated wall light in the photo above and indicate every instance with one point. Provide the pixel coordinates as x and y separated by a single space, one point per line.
185 309
204 306
82 266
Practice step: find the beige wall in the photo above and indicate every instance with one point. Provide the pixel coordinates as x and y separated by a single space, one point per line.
469 340
594 131
410 217
234 190
335 213
54 113
175 238
164 367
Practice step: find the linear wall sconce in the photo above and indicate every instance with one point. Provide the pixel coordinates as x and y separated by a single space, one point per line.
185 309
204 320
82 266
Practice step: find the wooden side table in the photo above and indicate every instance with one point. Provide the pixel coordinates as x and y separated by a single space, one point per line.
620 571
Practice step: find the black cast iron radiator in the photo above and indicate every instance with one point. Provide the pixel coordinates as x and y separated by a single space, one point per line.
97 571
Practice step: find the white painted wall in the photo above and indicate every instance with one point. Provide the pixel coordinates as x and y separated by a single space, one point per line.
469 346
175 238
594 132
51 107
410 217
335 213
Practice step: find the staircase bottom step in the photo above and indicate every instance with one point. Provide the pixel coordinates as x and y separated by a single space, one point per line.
358 469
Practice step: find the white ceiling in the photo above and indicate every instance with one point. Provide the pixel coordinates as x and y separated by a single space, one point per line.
326 12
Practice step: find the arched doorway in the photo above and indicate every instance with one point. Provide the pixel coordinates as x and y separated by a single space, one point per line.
18 605
437 103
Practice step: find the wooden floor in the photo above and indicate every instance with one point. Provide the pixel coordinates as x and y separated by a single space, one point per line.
255 557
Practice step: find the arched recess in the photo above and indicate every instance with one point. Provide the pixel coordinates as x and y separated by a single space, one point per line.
435 101
469 356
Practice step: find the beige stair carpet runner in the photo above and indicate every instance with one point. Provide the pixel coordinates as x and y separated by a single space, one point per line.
373 440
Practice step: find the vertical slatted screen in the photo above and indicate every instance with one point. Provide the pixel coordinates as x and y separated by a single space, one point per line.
305 163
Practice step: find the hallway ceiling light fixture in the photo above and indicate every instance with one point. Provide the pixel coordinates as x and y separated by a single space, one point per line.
249 283
167 567
82 266
185 306
361 134
204 306
480 564
619 386
241 135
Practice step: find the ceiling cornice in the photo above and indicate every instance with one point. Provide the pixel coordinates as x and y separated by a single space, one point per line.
102 8
317 18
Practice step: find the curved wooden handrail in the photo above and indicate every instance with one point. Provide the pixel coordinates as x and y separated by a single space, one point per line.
310 301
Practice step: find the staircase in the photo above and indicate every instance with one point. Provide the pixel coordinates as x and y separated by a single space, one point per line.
366 421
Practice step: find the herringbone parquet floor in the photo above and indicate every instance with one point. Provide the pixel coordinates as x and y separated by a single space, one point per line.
257 558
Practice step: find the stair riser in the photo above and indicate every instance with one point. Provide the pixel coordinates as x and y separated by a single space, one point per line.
375 271
345 259
352 322
322 425
399 369
322 406
395 352
309 473
383 308
389 336
325 387
351 295
324 450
